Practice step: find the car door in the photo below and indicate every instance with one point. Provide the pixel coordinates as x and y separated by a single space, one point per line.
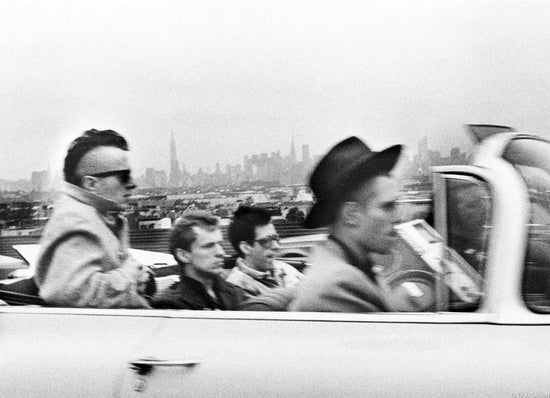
62 352
312 355
461 350
457 351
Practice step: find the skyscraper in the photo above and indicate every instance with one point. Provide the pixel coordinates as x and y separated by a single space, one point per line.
423 159
292 156
175 179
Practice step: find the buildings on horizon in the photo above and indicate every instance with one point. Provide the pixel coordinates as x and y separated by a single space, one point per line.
274 168
278 168
275 181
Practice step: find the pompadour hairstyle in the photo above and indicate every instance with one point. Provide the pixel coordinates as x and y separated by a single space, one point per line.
80 146
244 223
182 235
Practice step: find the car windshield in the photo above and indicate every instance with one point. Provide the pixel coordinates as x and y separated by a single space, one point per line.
530 158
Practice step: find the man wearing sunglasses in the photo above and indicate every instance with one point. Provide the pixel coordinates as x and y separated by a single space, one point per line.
84 259
254 238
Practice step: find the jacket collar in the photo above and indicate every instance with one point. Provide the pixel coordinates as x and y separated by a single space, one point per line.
340 247
254 273
102 205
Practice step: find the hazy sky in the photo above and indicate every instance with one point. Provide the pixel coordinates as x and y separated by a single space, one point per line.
230 78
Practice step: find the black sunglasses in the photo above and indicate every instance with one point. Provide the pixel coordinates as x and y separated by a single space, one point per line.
123 176
267 242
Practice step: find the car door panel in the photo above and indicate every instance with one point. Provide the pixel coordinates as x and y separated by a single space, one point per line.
310 358
67 355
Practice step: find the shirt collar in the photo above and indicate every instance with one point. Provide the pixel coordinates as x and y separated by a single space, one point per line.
254 273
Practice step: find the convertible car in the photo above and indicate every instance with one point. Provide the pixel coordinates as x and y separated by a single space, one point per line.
476 275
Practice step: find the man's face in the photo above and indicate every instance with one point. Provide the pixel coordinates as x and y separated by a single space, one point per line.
205 255
117 185
378 214
264 248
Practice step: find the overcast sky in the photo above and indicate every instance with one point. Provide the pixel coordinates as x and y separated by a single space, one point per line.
230 78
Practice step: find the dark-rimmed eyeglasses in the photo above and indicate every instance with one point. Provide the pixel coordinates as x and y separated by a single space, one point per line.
124 176
267 241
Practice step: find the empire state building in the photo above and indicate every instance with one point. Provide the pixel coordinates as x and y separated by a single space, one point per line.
175 179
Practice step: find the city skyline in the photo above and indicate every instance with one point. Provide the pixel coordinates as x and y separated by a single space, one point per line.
240 76
162 159
287 168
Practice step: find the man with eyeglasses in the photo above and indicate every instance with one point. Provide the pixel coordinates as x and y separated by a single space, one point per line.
84 259
254 238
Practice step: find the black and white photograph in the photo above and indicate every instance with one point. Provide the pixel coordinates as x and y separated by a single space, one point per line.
275 198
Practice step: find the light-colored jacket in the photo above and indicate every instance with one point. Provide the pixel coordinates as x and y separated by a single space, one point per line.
284 275
84 259
333 285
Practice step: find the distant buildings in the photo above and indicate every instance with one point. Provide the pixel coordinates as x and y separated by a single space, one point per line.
286 170
275 168
275 181
263 169
178 177
154 178
425 158
40 181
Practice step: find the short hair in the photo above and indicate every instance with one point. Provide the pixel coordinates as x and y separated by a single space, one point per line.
360 193
183 236
363 190
80 146
243 226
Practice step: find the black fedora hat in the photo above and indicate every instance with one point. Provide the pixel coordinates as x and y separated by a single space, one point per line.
347 164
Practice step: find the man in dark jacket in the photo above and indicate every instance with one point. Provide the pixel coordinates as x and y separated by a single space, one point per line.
196 244
356 198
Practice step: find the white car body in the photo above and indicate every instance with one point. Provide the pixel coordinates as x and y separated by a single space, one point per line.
502 348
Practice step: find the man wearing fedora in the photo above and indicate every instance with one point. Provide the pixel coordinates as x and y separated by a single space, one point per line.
356 198
84 259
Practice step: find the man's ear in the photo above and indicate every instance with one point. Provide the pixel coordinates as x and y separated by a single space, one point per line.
89 183
349 213
245 247
181 255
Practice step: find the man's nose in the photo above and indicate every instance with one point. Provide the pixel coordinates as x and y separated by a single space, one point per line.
131 184
219 250
275 245
396 216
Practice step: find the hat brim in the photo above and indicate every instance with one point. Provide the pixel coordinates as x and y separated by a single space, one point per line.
324 212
